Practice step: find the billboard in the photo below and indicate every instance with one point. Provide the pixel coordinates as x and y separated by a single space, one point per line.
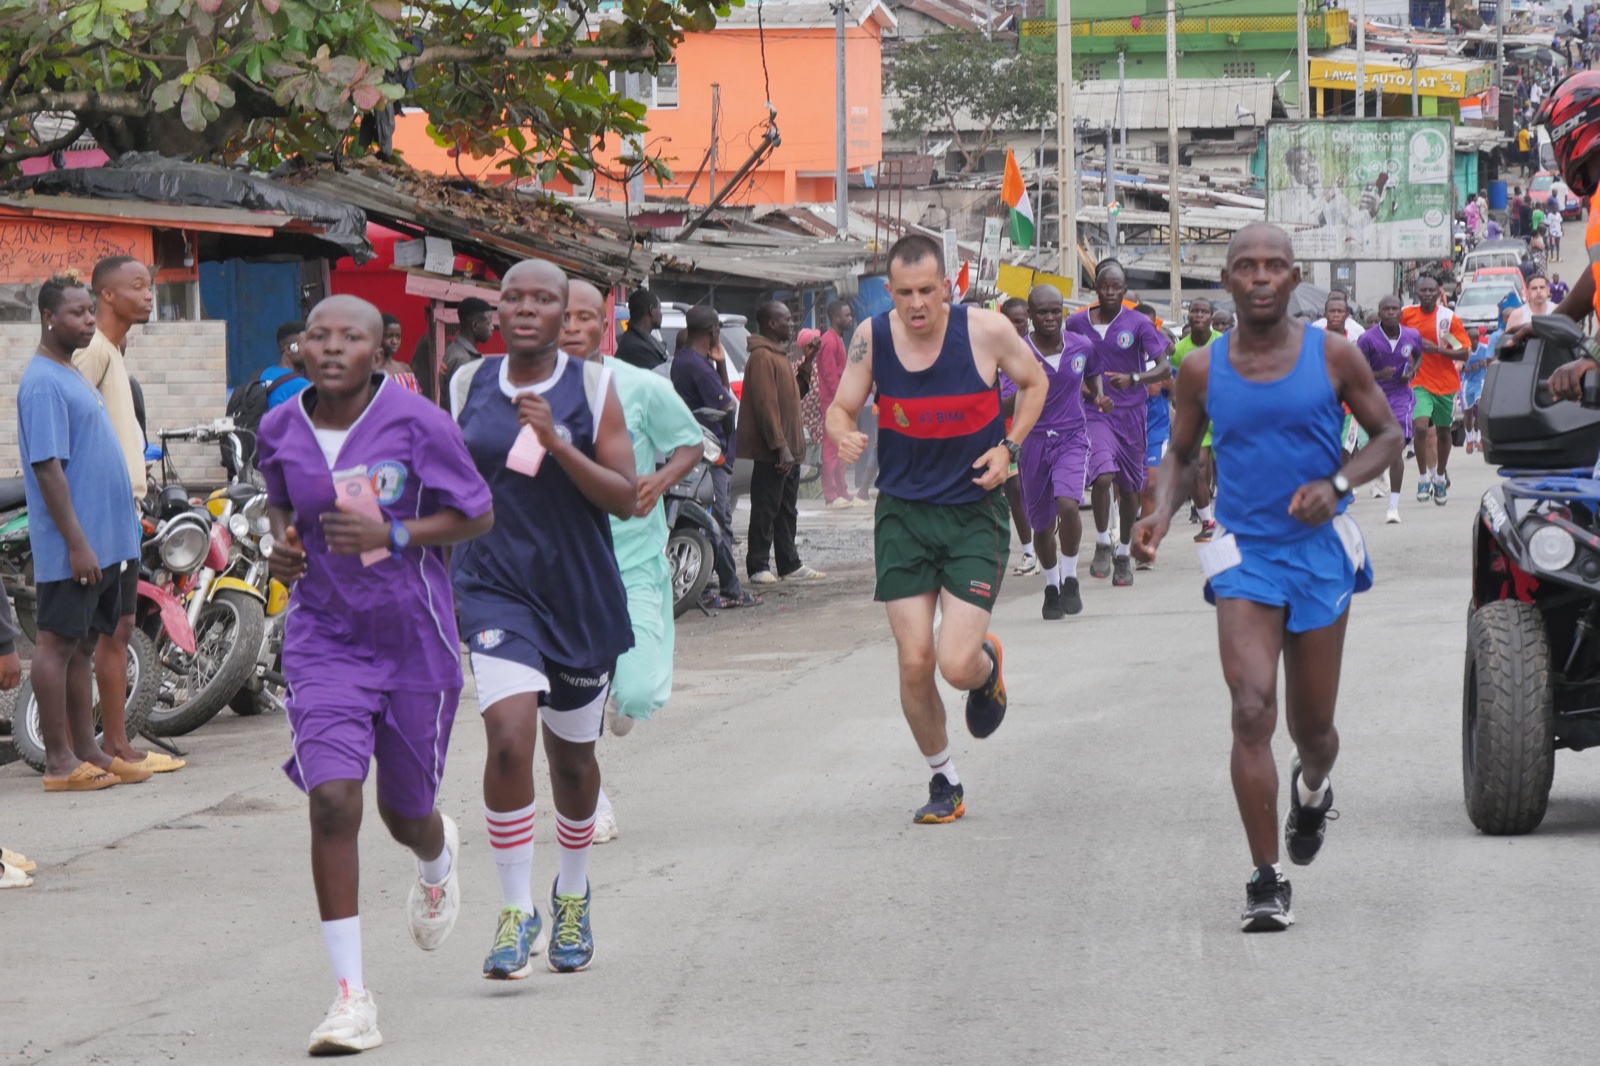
1363 189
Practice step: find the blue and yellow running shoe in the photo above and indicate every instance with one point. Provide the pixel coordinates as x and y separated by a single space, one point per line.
572 946
517 939
946 803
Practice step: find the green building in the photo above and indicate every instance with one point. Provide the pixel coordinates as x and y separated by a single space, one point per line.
1236 39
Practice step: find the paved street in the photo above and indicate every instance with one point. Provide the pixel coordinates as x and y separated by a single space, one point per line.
769 902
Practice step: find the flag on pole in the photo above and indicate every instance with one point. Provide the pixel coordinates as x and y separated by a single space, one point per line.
1472 109
1015 195
964 279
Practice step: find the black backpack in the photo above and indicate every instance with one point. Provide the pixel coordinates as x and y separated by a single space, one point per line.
248 404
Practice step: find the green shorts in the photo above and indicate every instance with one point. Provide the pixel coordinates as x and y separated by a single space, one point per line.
1433 407
924 547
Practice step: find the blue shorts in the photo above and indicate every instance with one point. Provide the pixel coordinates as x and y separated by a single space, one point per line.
1312 578
571 698
1154 452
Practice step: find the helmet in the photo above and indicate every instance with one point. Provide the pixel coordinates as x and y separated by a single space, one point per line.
1572 117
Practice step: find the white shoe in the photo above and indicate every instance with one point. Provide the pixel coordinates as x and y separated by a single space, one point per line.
351 1025
764 577
1379 490
431 910
13 877
605 821
805 573
843 503
1028 566
1392 518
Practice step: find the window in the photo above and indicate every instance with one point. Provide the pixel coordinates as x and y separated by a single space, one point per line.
1089 71
666 95
658 93
1244 69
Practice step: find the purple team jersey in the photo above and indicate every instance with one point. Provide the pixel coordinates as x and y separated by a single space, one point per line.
390 626
1385 354
1131 343
1063 403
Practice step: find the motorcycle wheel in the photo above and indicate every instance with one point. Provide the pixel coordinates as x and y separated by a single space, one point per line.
1507 719
25 603
144 684
196 687
689 557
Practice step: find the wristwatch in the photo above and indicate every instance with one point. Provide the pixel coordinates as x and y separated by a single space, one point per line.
399 537
1341 485
1013 447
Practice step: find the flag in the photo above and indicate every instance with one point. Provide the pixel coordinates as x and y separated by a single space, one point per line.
1472 109
964 279
1015 195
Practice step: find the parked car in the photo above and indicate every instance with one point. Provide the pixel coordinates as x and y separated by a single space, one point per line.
1504 252
1479 302
1545 182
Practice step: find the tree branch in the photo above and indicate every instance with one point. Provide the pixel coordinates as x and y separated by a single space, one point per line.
34 151
449 53
126 104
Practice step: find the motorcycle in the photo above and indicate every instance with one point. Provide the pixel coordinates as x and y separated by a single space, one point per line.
16 553
251 531
691 531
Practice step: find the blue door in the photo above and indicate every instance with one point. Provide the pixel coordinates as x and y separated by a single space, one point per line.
254 299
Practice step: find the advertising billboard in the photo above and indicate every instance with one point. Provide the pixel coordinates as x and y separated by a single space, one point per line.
1363 189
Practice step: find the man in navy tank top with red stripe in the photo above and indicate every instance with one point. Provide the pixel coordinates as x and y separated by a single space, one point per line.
1286 558
941 532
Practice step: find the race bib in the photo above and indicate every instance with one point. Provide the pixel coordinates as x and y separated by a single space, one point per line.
1219 555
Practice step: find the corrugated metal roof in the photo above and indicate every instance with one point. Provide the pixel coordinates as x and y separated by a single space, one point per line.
1203 103
805 14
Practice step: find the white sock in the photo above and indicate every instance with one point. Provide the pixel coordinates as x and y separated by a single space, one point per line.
1122 549
575 838
1432 475
511 840
433 871
1102 536
1208 512
1310 797
342 938
1438 479
1068 567
1027 551
1052 575
1394 501
941 764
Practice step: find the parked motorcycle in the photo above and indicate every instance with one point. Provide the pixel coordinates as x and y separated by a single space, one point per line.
691 530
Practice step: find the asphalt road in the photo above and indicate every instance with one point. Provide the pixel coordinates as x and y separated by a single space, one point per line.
770 902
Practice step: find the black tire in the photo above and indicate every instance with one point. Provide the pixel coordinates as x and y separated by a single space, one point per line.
690 559
1507 719
25 603
228 640
144 683
245 703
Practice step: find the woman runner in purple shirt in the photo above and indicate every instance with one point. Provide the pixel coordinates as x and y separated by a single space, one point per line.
370 652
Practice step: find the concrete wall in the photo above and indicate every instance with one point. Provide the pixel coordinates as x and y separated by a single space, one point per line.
182 366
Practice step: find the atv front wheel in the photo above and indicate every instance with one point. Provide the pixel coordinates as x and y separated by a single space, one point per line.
1507 719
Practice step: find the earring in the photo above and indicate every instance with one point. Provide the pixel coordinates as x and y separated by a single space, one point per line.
49 327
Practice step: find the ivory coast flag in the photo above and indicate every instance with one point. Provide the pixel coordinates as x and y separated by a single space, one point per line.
1015 195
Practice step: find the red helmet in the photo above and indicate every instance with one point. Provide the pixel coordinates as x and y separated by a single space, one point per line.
1571 114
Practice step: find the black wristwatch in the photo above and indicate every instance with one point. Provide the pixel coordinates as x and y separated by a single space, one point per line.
1013 447
1341 485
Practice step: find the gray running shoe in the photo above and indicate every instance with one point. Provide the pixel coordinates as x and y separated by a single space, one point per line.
1101 567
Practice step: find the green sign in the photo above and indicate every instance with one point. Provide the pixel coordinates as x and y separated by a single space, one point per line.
1364 189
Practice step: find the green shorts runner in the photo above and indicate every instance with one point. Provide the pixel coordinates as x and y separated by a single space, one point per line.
1440 409
924 547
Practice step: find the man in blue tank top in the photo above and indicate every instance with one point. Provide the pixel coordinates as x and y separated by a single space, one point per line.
1286 559
941 532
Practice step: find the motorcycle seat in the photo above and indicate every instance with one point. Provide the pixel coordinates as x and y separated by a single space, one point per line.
12 493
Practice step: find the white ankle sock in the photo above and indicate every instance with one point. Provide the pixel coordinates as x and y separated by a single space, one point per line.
1068 567
1310 797
433 871
942 764
1027 551
1394 501
1052 575
342 938
1122 550
511 841
1102 536
575 838
1208 512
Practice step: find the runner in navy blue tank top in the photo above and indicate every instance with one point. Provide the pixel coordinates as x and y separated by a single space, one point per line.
1286 559
542 605
941 531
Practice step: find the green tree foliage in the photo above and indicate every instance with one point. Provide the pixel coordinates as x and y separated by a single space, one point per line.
263 80
962 85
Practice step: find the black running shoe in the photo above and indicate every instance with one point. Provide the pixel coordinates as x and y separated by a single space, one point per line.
946 803
986 705
1194 514
1052 603
1304 827
1101 566
1071 601
1266 902
1123 574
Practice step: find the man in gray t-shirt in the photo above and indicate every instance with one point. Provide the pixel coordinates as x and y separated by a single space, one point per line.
477 326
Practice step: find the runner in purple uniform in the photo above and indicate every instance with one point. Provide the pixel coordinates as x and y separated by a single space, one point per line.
1131 353
1016 312
371 651
1393 351
1055 454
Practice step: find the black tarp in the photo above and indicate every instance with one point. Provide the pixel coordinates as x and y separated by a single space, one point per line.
146 177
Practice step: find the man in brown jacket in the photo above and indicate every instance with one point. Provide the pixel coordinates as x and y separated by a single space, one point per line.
772 436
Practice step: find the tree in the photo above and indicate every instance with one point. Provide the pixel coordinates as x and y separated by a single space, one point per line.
951 82
263 80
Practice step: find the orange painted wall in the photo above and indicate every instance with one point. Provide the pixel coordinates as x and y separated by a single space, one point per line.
801 66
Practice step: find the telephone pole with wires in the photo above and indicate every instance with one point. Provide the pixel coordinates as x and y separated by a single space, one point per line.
841 189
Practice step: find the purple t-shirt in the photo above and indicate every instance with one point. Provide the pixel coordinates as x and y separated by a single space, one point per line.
1130 345
390 626
1063 403
1384 354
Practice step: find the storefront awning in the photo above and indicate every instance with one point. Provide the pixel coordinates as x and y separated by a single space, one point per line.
1390 72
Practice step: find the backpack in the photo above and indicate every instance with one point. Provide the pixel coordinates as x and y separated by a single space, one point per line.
248 404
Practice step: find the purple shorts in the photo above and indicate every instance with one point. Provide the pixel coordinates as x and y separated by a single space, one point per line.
1403 405
1117 446
338 729
1052 466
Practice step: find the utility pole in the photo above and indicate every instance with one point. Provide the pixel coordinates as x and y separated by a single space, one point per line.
1108 195
1122 107
716 104
841 188
1499 56
1416 107
1176 266
1361 58
1302 71
1066 152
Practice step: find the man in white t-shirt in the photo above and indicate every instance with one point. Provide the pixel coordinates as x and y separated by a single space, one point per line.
1336 317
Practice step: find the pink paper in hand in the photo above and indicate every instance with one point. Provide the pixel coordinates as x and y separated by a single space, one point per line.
526 453
352 491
